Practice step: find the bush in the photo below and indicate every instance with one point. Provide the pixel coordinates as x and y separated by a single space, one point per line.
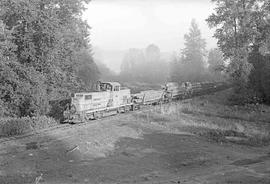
15 126
19 126
42 122
58 107
245 96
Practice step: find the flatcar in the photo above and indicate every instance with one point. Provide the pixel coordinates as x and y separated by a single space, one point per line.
148 97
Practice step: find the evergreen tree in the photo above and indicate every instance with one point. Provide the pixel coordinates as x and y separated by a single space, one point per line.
154 70
131 65
191 66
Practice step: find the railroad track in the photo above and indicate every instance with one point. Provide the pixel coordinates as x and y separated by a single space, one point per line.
69 126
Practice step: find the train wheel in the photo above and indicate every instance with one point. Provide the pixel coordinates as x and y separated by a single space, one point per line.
122 109
127 108
133 107
98 115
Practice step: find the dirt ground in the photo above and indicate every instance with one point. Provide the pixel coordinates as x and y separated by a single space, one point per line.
137 148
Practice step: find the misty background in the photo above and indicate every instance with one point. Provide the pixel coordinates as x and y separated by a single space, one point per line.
119 25
135 42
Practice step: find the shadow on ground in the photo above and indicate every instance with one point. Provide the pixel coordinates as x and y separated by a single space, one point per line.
159 157
44 159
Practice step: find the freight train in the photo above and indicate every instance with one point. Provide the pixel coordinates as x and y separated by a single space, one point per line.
112 97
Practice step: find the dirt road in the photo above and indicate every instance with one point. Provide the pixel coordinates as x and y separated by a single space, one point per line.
124 149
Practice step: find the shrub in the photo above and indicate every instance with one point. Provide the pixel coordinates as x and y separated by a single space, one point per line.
15 126
42 122
243 97
58 107
2 108
19 126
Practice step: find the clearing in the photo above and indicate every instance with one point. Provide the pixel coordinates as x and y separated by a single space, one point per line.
201 140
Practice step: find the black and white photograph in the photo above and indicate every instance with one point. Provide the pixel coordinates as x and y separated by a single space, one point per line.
134 92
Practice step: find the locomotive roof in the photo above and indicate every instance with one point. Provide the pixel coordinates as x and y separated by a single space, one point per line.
112 83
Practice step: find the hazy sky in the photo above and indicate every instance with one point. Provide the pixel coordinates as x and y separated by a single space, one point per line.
124 24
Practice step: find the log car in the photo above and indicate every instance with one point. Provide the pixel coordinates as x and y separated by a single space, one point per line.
175 91
148 97
110 96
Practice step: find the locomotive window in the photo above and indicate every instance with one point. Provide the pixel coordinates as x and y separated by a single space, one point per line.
88 97
79 96
116 88
109 87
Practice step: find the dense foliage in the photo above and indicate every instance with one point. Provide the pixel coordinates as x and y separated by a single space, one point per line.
42 54
19 126
216 64
106 74
243 32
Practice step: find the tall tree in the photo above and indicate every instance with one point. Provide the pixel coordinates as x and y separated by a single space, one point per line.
216 64
230 17
155 69
216 60
242 27
192 59
106 74
86 70
131 64
194 46
144 66
45 37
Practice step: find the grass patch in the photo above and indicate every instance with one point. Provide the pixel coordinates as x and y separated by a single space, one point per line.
151 117
187 110
19 126
218 135
211 117
15 126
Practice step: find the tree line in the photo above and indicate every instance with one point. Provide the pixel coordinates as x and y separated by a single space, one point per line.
193 63
44 54
146 66
243 33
